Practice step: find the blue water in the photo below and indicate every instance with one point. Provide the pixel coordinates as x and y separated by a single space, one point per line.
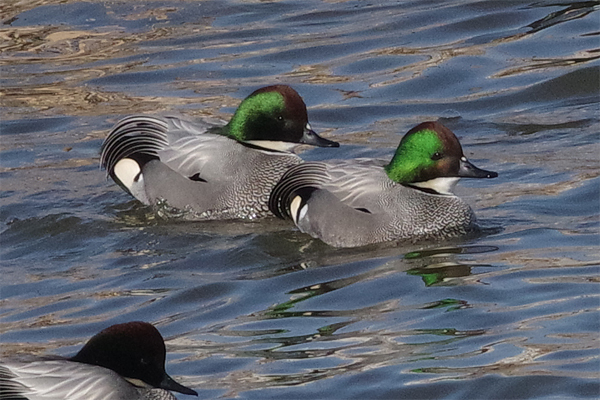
259 310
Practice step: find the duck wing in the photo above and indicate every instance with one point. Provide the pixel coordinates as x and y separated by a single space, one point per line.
356 183
62 380
183 145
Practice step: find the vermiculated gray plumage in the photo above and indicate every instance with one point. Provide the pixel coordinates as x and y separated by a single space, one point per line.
207 174
354 203
54 378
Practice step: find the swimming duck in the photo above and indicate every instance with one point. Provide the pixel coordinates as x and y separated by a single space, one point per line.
349 203
214 171
124 361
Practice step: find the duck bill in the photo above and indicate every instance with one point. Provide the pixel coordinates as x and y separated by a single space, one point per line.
310 137
468 170
169 383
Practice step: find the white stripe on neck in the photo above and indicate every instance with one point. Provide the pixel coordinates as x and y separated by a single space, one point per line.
440 185
273 145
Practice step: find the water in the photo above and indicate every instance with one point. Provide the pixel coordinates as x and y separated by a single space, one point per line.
259 310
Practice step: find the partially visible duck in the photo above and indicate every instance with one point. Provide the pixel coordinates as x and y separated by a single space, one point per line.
122 362
349 203
222 171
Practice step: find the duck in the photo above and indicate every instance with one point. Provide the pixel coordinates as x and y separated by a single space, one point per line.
124 361
212 170
357 202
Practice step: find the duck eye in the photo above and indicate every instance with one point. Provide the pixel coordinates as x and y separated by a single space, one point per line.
279 118
436 156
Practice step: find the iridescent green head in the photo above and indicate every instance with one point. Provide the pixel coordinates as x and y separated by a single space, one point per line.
274 113
429 151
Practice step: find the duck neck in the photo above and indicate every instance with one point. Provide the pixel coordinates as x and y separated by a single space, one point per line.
442 185
404 169
400 174
235 129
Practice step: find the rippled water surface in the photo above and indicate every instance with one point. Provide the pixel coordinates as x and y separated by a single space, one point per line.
259 310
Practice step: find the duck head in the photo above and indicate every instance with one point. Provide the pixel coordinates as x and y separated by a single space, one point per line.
431 158
274 117
136 351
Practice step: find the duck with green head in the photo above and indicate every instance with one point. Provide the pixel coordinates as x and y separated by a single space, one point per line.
349 203
213 171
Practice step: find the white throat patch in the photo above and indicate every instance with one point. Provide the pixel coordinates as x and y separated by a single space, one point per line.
273 145
440 185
